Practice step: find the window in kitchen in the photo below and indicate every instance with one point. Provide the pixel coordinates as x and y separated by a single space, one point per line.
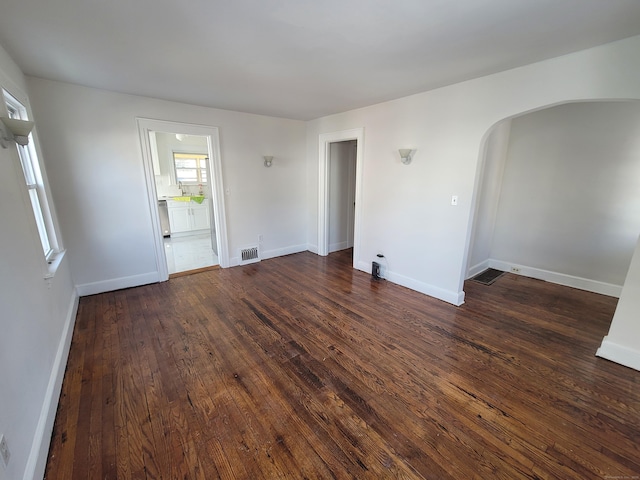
35 184
191 168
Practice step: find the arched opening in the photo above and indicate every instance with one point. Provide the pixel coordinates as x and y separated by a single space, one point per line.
557 195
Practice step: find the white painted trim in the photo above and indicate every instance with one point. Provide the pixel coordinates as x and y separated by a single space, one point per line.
335 247
216 203
145 130
455 298
595 286
621 354
323 194
37 460
277 252
312 248
324 140
476 269
351 195
218 207
117 283
281 252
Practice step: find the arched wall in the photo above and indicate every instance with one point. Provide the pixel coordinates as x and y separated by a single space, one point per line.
567 209
406 209
622 343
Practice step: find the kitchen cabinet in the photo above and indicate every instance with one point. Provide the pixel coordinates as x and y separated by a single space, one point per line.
187 217
200 217
179 219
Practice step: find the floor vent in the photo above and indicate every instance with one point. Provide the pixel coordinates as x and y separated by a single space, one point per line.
249 255
489 276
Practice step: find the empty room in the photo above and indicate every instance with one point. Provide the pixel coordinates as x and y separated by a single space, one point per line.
281 239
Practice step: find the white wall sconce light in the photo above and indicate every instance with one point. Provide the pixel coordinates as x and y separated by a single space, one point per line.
268 160
406 154
14 130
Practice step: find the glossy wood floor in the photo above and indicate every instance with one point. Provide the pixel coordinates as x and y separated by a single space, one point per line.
301 367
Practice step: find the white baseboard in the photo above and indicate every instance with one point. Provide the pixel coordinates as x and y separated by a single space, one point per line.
455 298
626 356
277 252
476 269
560 278
281 252
37 461
335 247
117 284
313 248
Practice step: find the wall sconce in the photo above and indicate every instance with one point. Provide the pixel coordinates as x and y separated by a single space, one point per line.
268 160
13 129
406 155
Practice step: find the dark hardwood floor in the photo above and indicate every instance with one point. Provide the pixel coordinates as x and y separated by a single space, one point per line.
301 367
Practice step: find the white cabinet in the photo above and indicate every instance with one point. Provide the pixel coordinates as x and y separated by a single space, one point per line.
179 218
188 216
200 217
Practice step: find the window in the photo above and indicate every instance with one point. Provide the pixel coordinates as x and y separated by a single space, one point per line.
191 168
35 185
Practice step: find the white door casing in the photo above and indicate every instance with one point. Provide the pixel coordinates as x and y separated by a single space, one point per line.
217 209
324 141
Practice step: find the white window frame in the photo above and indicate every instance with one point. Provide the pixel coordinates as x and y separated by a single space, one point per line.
199 168
35 184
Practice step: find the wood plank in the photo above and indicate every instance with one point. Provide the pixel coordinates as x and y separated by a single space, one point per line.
301 367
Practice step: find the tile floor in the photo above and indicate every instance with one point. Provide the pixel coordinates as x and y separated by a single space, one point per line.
189 253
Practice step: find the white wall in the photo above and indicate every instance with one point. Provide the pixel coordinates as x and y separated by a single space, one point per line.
37 314
97 178
570 197
342 169
492 169
93 158
622 344
406 211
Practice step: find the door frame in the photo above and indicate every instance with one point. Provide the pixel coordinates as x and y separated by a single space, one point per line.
324 150
216 202
352 200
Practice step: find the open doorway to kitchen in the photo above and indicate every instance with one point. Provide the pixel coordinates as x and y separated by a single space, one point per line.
181 172
184 179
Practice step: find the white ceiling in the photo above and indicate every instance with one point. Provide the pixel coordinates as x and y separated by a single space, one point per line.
299 59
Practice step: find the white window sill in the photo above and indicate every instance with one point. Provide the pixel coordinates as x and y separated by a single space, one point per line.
53 263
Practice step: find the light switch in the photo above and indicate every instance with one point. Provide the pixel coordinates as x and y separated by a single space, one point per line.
454 200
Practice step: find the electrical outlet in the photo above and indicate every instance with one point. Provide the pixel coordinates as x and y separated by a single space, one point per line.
4 451
515 269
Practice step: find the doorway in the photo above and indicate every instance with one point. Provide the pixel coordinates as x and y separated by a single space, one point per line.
325 142
185 191
182 175
342 194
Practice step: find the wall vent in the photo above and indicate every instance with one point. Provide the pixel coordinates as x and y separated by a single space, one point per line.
249 255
